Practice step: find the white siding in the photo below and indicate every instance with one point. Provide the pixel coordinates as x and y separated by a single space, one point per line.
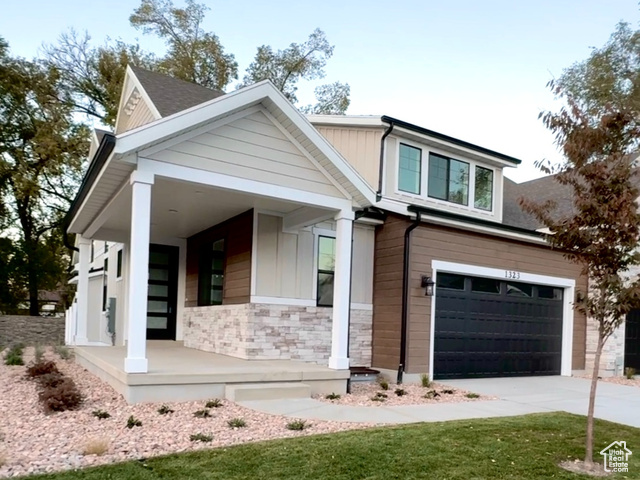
285 262
251 147
141 115
95 308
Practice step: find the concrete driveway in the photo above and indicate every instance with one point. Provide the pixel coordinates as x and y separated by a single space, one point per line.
617 403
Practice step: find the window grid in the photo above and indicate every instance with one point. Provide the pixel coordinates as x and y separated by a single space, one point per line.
409 169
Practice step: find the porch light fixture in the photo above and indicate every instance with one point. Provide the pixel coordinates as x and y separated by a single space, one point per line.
428 285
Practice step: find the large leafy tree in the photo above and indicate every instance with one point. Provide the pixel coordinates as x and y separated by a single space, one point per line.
300 61
598 132
41 153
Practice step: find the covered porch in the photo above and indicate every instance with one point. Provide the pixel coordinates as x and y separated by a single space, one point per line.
179 183
177 373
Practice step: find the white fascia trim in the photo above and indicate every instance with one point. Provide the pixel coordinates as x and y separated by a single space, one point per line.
301 302
228 182
453 147
401 208
568 284
347 120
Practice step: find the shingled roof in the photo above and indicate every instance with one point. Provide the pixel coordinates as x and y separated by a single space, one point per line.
171 95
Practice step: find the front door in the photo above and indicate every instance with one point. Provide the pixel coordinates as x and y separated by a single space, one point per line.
162 293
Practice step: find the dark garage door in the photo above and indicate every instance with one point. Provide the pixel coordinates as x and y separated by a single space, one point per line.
632 340
492 328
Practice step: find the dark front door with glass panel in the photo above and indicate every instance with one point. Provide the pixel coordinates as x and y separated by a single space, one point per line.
162 293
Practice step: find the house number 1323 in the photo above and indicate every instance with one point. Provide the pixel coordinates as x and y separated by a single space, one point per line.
510 274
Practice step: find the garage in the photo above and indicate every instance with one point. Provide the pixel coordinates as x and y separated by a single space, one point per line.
487 327
632 340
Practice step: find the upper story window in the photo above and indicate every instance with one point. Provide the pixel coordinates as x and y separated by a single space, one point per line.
483 196
409 169
448 179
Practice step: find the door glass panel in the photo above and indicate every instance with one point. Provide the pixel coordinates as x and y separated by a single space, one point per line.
519 289
158 290
485 285
157 306
159 274
159 258
157 322
450 280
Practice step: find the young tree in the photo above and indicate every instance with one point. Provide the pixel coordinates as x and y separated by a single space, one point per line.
599 139
304 61
41 153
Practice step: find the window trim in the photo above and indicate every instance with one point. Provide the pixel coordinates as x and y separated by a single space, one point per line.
448 182
420 173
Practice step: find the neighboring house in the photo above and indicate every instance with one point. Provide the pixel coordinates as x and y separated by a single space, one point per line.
237 225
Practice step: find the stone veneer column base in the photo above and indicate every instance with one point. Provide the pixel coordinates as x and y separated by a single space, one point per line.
259 331
612 359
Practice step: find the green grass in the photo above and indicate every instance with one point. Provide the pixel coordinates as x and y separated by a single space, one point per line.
516 448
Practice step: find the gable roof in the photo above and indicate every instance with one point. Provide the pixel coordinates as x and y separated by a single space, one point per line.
171 95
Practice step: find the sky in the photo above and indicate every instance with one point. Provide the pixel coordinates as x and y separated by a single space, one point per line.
474 70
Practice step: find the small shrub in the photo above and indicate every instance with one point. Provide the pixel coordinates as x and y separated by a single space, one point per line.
381 395
629 372
298 425
236 423
38 353
41 368
96 446
133 422
61 397
384 385
101 414
165 409
400 392
215 403
14 355
431 394
202 413
50 380
200 437
448 391
332 396
472 395
424 380
376 398
63 352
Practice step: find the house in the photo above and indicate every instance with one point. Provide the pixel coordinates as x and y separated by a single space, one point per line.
228 241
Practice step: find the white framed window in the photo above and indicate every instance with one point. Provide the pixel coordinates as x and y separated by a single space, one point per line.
409 169
448 179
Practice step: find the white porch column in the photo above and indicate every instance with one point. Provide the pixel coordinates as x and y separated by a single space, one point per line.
82 293
339 359
137 284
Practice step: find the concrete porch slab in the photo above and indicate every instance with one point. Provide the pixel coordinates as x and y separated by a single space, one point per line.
177 373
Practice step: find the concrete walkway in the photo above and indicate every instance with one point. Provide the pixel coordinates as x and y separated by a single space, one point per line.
517 396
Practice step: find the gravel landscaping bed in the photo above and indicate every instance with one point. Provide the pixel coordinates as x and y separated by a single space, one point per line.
33 442
621 380
372 395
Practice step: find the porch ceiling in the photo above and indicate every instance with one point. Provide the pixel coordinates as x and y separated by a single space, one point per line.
182 209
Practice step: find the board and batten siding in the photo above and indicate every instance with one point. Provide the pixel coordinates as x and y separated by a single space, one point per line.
238 233
251 147
359 146
285 262
431 242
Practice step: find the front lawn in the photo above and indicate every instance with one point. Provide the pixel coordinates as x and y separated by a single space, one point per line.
526 447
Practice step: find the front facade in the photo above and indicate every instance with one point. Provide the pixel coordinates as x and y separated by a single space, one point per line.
239 227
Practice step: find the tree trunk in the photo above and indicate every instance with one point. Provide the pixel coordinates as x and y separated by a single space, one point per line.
34 304
588 457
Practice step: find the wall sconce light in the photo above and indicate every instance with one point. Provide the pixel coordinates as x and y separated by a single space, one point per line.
428 285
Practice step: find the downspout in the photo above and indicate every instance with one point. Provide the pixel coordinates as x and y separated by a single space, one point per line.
405 295
381 163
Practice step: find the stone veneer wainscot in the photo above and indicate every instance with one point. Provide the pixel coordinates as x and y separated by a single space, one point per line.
258 331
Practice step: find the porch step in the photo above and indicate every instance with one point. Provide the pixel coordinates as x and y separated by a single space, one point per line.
266 391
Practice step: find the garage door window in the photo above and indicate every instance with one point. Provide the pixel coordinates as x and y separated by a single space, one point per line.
550 293
485 285
450 281
519 290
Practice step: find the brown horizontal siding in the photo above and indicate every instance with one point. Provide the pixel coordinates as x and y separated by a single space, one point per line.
238 235
431 242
